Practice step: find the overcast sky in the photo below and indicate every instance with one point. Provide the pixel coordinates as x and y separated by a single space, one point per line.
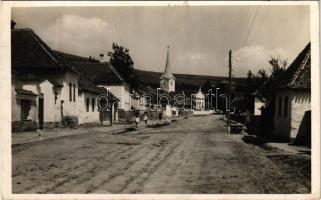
199 37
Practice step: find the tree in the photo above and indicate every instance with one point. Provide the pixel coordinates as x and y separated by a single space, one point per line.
264 84
122 61
278 70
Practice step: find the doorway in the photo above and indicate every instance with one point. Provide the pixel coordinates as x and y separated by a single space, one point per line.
40 111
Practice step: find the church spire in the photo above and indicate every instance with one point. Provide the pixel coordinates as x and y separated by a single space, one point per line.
167 79
167 66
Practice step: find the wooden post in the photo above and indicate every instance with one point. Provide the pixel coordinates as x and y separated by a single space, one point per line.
229 91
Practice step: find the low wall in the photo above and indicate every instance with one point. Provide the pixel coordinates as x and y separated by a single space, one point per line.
202 112
27 125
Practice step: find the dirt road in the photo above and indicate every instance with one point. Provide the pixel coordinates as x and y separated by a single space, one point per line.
189 156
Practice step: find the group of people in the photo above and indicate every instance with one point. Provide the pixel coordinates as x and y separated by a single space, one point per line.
137 118
145 118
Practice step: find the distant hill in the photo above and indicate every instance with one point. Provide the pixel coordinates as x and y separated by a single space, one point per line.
152 78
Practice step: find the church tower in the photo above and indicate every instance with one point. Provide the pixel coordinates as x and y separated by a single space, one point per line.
167 79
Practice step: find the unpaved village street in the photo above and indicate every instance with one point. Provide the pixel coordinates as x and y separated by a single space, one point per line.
192 155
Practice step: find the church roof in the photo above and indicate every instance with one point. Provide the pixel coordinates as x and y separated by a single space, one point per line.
167 73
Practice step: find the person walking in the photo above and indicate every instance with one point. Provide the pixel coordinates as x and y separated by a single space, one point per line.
145 117
160 116
137 118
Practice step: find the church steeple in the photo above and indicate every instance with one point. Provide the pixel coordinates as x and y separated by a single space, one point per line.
167 66
167 79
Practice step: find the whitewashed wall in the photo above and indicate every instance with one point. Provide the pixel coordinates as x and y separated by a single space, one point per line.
122 93
90 116
52 110
298 103
257 106
69 107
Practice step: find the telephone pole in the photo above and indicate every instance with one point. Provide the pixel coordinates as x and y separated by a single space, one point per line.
229 91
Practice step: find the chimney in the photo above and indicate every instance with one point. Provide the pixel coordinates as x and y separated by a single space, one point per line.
13 24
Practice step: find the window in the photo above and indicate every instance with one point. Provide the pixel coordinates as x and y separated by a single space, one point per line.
87 104
74 92
70 92
56 97
280 106
93 104
286 99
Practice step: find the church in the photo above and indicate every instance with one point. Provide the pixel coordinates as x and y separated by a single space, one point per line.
167 79
167 86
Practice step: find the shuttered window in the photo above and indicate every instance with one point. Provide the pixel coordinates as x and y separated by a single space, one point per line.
87 104
74 92
70 92
93 104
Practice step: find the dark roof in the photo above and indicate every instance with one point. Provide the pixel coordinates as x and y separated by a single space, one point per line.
74 58
25 76
298 74
93 73
96 72
101 73
87 86
30 53
25 92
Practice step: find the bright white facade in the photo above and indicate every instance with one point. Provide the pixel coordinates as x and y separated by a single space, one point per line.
200 100
122 93
87 108
290 109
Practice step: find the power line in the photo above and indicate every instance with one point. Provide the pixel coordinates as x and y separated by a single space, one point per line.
263 19
249 18
251 27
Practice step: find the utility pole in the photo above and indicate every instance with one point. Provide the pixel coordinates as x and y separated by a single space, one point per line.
229 91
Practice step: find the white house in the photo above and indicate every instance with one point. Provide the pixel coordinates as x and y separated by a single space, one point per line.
293 100
106 76
88 110
38 71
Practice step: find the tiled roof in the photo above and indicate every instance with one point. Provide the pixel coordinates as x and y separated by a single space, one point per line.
25 76
30 53
98 73
298 74
87 86
93 73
